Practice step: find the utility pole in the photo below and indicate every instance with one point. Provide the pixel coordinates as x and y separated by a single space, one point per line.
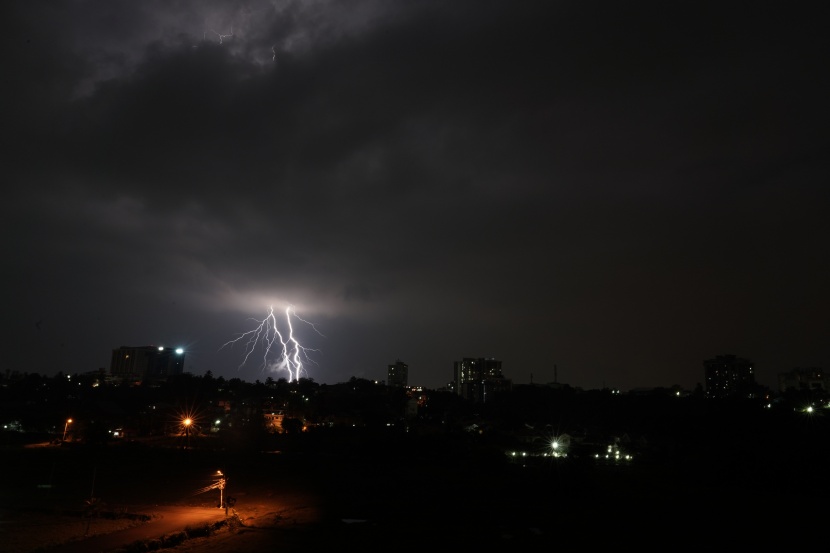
221 485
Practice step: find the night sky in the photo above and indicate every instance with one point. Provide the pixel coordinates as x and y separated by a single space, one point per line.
595 193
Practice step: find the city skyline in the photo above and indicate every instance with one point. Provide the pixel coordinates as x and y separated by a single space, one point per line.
603 195
723 375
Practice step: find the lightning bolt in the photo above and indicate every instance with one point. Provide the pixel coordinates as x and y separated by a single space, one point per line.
220 35
281 349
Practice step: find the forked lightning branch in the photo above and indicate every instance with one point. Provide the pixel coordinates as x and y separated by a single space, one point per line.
275 339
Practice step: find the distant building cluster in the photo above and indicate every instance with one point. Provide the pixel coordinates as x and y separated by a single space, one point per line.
474 379
478 379
812 379
479 390
729 376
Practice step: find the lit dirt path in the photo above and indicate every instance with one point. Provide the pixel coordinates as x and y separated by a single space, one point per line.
164 520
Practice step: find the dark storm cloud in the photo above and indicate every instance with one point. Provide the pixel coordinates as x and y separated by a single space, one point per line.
619 190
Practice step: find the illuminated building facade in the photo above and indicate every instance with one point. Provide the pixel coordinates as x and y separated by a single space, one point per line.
398 374
477 379
146 362
728 376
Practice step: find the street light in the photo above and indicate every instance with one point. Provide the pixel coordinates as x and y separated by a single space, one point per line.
65 427
187 422
221 485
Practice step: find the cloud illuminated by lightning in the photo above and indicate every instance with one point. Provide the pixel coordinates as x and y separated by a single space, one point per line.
281 349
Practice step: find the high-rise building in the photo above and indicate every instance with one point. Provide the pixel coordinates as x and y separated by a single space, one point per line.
146 362
398 374
729 376
477 379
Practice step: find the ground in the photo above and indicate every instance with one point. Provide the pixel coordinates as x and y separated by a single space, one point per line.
257 523
370 500
26 531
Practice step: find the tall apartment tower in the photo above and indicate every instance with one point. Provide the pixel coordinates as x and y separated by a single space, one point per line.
146 362
398 374
729 376
476 379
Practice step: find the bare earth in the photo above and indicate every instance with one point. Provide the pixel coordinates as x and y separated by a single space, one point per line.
24 532
256 526
272 507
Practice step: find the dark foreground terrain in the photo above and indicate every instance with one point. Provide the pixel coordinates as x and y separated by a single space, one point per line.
409 493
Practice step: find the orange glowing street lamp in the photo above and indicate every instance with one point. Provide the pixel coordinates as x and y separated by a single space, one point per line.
187 422
65 427
220 483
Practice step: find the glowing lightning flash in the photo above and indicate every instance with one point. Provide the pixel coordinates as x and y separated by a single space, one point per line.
220 35
291 354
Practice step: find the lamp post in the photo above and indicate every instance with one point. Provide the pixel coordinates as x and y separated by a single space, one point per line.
65 427
187 422
221 485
